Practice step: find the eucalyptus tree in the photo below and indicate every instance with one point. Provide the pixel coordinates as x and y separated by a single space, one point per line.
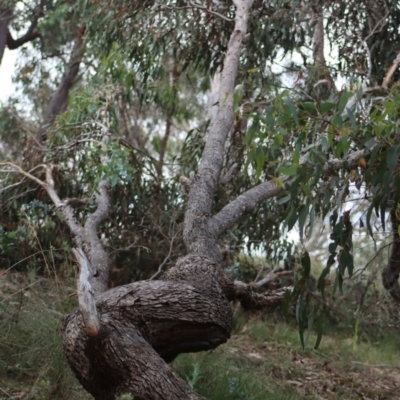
268 157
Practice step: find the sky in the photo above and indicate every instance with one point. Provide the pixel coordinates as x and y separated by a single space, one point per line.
6 72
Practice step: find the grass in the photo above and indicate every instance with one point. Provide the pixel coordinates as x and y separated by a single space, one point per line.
220 376
334 346
263 360
31 357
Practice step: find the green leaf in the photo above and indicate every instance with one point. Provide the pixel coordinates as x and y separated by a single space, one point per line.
311 319
368 219
260 161
332 247
302 219
321 280
286 303
291 219
284 199
309 107
344 98
326 107
306 264
114 180
292 109
392 157
319 332
288 171
306 190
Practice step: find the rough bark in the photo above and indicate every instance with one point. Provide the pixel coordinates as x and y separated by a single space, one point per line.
144 321
390 274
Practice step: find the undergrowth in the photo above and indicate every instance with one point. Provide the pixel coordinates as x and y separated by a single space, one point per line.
31 357
219 376
32 361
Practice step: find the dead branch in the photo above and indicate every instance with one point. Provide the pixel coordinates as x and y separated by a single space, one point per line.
202 8
249 299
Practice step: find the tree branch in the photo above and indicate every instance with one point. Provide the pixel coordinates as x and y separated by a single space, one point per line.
99 258
5 18
242 205
199 206
252 300
85 236
31 33
247 201
59 101
87 304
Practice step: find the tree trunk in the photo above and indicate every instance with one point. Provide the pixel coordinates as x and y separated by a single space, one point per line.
143 326
5 18
120 341
390 274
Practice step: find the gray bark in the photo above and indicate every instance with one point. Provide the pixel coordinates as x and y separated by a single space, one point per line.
143 326
198 236
322 82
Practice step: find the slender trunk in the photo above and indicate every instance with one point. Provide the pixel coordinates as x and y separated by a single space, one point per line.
322 83
59 100
163 145
390 274
5 18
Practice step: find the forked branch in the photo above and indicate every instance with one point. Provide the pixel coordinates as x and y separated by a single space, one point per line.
85 236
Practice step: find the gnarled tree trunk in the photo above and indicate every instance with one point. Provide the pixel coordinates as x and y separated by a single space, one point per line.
142 326
121 340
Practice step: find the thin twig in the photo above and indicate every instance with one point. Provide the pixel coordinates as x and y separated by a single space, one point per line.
200 7
373 258
161 267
